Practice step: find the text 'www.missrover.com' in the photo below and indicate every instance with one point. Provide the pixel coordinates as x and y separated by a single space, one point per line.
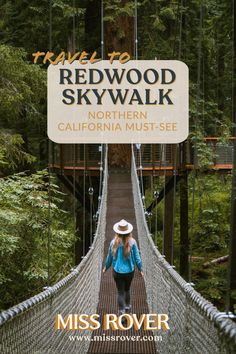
118 338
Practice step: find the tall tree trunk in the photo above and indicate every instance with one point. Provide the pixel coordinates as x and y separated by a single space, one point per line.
119 37
119 34
92 26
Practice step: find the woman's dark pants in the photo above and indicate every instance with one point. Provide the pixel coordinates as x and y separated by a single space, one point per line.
123 282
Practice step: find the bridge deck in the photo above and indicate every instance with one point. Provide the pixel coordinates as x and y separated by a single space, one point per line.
120 205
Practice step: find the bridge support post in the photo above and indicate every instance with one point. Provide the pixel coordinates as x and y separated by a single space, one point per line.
184 236
79 239
168 224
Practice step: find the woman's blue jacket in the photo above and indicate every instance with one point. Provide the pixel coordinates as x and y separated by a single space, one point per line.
121 264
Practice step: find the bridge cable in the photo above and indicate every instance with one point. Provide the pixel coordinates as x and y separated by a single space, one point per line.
174 160
84 198
152 188
174 199
156 193
136 58
49 171
164 195
74 146
74 200
102 29
139 146
136 30
176 146
152 183
100 176
233 193
141 177
196 122
91 208
101 145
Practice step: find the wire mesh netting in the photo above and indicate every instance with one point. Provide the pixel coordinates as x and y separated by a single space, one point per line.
196 326
30 326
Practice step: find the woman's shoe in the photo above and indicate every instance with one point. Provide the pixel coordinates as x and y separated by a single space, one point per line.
121 312
123 320
128 309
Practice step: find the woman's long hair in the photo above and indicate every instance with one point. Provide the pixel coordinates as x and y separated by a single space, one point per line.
124 239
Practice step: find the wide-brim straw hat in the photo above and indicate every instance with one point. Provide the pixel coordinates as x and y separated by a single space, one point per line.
123 227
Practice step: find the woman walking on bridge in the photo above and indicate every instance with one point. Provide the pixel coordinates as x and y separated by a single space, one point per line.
123 254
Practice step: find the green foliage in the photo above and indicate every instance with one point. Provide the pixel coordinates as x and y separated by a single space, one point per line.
206 49
209 235
12 154
167 13
117 8
211 283
22 104
25 220
158 24
204 152
212 209
18 84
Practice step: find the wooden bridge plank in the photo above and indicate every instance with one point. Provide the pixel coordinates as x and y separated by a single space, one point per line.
120 205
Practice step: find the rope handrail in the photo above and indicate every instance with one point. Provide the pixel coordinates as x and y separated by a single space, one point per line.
29 327
196 326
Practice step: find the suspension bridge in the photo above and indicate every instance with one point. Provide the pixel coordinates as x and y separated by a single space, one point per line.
196 326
